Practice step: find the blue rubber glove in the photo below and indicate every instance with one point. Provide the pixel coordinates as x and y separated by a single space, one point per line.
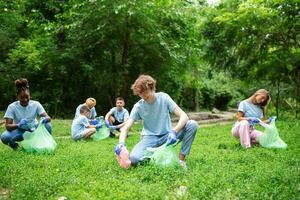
107 123
119 147
98 126
113 127
273 118
23 122
253 121
172 137
94 122
44 120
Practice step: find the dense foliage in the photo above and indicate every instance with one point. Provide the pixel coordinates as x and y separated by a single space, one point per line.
204 56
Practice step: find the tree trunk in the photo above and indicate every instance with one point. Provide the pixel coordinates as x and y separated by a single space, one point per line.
277 98
197 101
125 50
115 83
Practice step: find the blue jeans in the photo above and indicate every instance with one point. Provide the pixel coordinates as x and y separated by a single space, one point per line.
186 136
11 137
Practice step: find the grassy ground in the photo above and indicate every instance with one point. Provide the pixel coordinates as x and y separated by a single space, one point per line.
218 169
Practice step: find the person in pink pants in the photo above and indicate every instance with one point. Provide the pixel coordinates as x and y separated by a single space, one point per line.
250 112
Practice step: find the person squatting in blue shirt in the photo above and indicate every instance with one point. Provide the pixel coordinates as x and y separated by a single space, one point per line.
117 116
154 110
250 112
22 116
81 128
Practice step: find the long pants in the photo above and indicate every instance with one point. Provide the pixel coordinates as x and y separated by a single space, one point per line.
186 136
11 137
247 134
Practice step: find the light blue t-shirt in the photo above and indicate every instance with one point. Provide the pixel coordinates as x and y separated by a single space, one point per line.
155 115
120 115
92 114
250 110
79 125
16 111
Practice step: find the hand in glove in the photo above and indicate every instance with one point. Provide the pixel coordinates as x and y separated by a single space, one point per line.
172 137
22 123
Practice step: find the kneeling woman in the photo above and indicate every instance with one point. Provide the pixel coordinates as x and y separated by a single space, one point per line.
22 115
251 111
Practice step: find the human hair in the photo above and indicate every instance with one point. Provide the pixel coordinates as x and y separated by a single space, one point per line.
91 102
22 85
120 99
264 104
143 83
84 109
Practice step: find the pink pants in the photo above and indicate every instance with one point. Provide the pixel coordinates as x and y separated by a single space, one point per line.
246 133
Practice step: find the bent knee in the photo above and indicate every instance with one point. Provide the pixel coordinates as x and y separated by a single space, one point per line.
135 159
244 122
5 137
192 124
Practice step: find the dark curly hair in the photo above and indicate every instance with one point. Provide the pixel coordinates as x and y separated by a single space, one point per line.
22 85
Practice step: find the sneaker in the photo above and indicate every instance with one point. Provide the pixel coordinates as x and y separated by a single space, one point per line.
123 158
183 165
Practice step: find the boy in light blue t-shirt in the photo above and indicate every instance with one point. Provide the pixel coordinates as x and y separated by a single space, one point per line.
154 110
81 128
117 116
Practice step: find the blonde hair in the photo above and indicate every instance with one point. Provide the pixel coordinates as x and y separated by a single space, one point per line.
90 102
264 104
143 83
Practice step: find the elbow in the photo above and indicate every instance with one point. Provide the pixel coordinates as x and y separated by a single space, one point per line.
186 117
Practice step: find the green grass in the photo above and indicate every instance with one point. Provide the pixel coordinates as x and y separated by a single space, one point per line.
218 169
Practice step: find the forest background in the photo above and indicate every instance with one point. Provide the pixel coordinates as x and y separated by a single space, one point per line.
204 55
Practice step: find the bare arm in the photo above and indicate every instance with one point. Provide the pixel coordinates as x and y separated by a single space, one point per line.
44 114
124 130
240 116
9 125
183 118
121 125
108 115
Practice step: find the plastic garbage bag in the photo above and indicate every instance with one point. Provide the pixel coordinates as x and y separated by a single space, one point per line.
40 141
270 138
163 156
101 133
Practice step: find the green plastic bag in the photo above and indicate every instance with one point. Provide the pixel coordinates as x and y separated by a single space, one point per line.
40 141
270 138
101 133
163 156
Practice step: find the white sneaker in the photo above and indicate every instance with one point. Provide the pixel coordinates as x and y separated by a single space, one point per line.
183 165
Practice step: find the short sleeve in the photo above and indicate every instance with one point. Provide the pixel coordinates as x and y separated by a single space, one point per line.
40 108
242 107
170 103
112 110
77 113
9 112
134 114
94 113
85 121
